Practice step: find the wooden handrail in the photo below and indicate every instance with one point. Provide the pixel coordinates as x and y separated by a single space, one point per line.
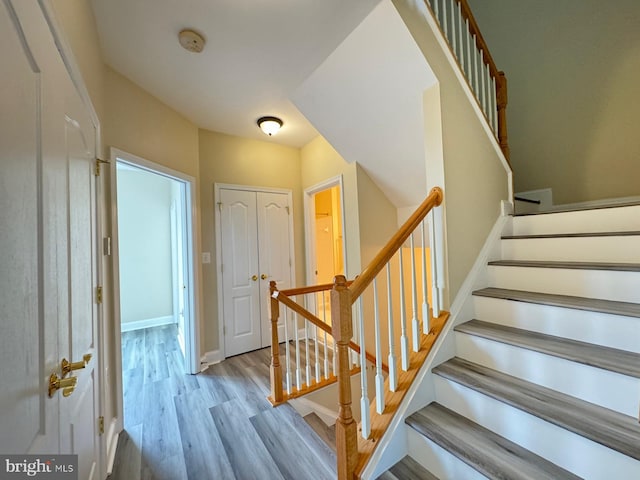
382 258
303 312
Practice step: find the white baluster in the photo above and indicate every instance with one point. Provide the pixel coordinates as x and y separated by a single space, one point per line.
475 67
297 337
494 106
460 40
314 299
454 33
324 319
482 94
436 10
404 341
444 19
435 302
286 350
415 322
393 374
365 420
379 377
355 322
469 54
306 353
425 287
439 230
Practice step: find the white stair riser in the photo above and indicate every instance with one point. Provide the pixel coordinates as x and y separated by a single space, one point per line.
602 387
601 220
602 284
615 331
438 461
579 455
579 249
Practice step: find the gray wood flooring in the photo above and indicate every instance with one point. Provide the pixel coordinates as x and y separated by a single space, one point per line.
607 427
492 455
407 469
214 425
565 301
620 361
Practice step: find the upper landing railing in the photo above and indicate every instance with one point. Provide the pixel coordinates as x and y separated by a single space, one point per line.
488 84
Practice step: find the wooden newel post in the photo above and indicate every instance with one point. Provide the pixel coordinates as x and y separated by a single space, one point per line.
346 427
276 369
502 100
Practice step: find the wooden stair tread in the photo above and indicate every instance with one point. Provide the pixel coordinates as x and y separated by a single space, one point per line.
572 235
607 427
579 303
619 361
622 267
490 454
407 469
325 432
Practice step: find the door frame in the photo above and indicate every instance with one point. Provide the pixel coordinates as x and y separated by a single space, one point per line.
310 228
192 332
218 239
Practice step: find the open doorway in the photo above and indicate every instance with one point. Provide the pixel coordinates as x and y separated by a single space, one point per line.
325 238
154 275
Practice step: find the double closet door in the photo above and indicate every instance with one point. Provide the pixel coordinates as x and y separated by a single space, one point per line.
256 233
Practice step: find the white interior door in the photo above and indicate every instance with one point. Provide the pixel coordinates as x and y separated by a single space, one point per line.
241 301
48 245
29 343
274 254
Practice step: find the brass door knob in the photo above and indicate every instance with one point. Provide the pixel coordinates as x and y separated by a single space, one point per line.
263 276
254 278
67 384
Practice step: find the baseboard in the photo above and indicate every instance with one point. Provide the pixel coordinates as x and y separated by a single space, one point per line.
462 303
112 444
210 358
147 323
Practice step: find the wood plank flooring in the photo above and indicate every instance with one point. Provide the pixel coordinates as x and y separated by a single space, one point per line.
214 425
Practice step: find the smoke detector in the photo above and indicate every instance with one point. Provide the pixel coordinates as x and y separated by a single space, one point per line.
192 41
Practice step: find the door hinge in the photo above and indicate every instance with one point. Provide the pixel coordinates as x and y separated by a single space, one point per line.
106 246
101 424
99 295
288 212
220 206
97 166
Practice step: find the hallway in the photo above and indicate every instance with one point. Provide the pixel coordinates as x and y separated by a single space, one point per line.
214 425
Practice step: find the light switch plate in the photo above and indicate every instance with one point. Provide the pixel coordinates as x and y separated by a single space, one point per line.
206 257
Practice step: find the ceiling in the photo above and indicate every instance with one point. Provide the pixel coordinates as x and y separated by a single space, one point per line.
257 54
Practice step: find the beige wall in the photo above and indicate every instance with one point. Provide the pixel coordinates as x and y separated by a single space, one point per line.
320 162
237 160
573 68
139 123
378 219
474 178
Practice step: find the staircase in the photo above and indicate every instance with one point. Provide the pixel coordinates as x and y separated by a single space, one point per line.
545 382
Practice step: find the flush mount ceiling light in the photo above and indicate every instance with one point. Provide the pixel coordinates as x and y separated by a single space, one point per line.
269 125
192 41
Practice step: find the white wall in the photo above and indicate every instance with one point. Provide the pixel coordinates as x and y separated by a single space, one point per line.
144 224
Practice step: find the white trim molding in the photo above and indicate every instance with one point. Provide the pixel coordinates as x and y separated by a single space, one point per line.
147 323
210 358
